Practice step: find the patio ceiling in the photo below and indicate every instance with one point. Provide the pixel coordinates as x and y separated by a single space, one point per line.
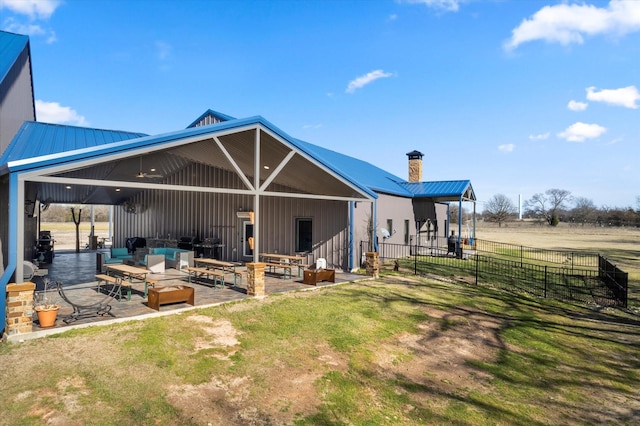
114 179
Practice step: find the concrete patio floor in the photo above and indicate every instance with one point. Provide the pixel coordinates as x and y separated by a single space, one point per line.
77 273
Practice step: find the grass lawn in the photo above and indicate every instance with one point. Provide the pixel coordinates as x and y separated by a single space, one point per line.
398 350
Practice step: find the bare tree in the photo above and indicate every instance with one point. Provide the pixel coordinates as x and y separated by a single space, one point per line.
584 210
453 212
548 205
454 209
499 209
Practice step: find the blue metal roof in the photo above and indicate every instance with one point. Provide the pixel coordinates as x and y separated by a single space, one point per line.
11 46
445 190
358 170
35 140
42 145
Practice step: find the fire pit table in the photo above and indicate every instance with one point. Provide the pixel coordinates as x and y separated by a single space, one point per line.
172 294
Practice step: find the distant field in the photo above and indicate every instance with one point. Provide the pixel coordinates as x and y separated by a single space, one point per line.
64 233
620 245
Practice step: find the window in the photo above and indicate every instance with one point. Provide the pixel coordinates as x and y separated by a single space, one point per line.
390 226
406 231
304 235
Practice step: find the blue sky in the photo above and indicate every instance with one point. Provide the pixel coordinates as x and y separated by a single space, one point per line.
517 96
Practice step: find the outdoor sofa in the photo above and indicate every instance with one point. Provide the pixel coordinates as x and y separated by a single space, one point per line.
153 262
121 253
175 257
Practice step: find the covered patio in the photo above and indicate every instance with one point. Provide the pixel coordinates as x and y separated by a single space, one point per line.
76 271
239 183
201 182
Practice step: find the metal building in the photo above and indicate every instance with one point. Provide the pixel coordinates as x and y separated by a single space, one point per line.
222 179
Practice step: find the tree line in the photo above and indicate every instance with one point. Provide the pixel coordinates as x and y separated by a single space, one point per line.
63 213
559 205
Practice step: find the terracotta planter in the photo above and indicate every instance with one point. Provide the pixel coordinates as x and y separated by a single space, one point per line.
47 316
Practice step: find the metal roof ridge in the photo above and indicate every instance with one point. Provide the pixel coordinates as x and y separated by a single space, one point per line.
220 115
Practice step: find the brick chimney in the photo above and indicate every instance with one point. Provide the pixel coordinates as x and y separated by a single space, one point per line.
415 166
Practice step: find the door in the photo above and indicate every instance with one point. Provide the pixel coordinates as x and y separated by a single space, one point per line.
247 239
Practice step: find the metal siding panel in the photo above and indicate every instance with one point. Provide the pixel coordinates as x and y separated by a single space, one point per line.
16 99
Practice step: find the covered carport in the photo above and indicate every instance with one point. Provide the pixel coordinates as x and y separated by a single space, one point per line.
199 176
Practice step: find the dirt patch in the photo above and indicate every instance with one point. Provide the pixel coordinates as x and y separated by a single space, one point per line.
440 356
284 393
220 333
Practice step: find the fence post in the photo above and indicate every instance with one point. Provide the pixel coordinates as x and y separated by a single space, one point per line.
415 258
521 256
545 281
477 261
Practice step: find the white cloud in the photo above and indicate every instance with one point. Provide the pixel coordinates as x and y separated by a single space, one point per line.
30 29
368 78
447 5
579 132
568 23
539 137
53 112
312 126
625 96
34 9
615 141
13 26
508 147
163 50
577 106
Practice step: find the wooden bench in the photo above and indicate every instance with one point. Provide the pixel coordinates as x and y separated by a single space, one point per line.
286 268
149 282
104 278
301 267
172 294
197 272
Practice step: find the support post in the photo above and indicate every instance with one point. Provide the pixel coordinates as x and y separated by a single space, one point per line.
19 311
373 264
255 279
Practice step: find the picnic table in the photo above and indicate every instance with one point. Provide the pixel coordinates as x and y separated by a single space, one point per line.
285 261
226 267
129 272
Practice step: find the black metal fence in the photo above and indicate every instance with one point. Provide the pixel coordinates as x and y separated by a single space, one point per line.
570 276
616 280
524 254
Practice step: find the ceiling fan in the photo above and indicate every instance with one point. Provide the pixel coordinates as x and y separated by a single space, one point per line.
141 174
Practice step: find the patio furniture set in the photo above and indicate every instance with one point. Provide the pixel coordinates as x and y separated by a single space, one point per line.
119 268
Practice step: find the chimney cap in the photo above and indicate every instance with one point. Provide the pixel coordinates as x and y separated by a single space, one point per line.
413 155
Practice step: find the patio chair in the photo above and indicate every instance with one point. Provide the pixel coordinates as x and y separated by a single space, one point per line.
29 269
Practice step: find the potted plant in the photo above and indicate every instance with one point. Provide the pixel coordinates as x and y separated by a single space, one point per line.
45 303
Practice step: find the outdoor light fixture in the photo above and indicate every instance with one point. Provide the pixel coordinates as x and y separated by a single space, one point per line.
245 215
142 174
